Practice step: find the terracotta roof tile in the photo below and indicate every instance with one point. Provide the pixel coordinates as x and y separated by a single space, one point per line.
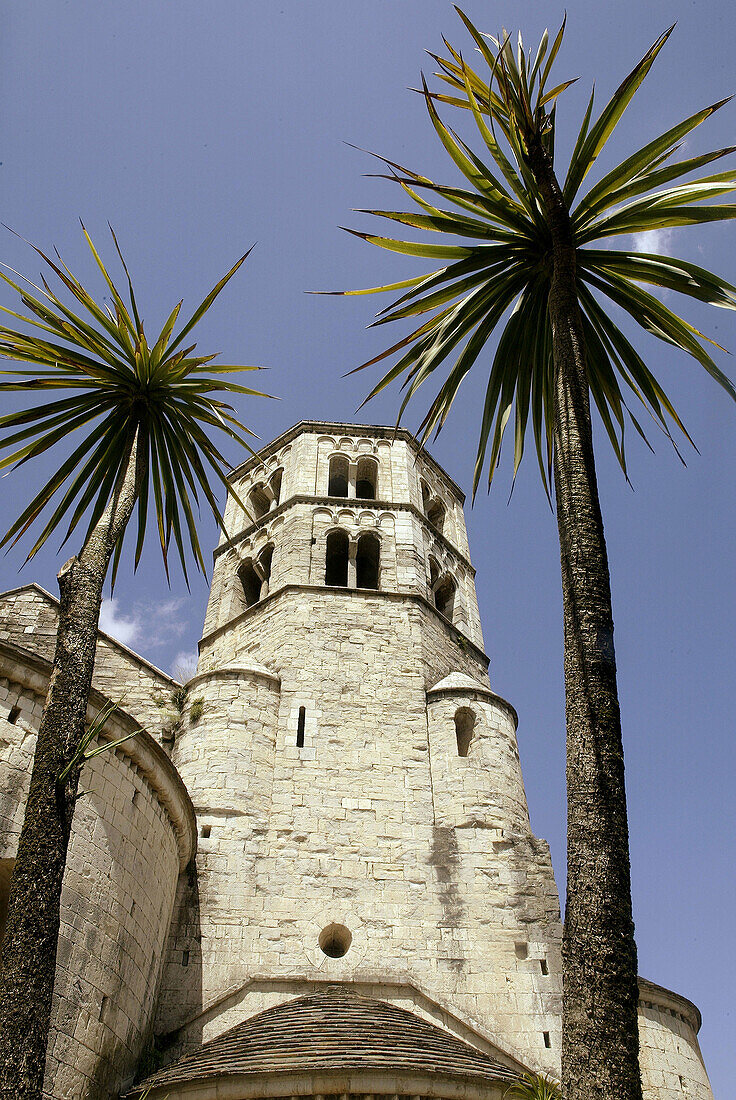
333 1029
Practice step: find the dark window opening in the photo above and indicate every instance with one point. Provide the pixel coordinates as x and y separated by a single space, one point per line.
264 570
426 497
434 573
275 485
185 958
436 515
14 715
543 966
206 832
547 1042
300 727
259 503
103 1007
338 482
366 483
367 561
444 597
336 560
134 799
251 583
464 726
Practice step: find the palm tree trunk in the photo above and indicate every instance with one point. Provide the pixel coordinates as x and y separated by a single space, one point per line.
600 1037
29 947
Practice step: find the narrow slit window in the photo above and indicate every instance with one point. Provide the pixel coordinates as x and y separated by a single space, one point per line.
206 832
547 1042
14 715
185 958
301 722
464 727
543 966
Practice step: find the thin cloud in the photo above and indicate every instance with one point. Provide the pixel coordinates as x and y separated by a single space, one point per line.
653 240
123 628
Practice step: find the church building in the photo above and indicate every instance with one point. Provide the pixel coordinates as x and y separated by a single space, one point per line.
313 875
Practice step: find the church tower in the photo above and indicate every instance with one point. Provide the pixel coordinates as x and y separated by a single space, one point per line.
361 809
366 869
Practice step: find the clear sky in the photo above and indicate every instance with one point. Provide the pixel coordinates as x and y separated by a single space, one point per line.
199 129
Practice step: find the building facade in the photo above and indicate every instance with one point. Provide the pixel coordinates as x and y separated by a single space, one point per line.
346 897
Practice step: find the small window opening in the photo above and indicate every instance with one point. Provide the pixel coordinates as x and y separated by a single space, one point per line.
259 503
521 949
547 1042
133 907
335 940
367 561
206 832
543 966
464 726
338 480
251 583
103 1007
366 482
301 722
444 597
275 485
134 799
436 515
185 958
336 560
14 715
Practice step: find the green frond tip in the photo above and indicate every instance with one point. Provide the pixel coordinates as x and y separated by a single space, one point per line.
534 1086
121 385
492 229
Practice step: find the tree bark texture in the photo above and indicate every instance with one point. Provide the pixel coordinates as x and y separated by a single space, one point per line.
30 944
600 1036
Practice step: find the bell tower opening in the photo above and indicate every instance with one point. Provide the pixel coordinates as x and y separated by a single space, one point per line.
336 560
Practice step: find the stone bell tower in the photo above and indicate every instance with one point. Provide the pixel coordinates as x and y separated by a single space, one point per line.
361 816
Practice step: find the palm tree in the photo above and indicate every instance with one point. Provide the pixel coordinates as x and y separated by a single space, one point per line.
144 410
527 248
533 1086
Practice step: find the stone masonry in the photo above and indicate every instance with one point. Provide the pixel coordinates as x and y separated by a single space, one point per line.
361 820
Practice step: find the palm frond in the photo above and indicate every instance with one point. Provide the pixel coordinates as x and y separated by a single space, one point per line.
120 383
495 238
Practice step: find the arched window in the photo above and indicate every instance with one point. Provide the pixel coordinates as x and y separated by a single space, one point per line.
367 561
444 597
464 727
366 481
338 481
436 515
259 502
263 569
275 485
336 559
434 574
251 583
426 497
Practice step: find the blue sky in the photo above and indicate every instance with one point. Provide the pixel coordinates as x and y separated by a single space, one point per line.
198 130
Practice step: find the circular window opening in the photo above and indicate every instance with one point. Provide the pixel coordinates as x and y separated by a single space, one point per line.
335 940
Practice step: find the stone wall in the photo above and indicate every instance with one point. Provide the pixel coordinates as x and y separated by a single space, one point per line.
133 833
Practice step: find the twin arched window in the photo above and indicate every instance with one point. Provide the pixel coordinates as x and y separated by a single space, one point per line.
355 564
433 507
357 480
443 590
255 575
265 495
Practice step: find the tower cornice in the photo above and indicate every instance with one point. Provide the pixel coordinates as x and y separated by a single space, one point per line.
378 431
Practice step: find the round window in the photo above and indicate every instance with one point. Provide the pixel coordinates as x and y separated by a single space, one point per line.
335 940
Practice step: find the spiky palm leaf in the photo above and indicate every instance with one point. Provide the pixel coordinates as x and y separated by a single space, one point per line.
506 263
118 383
534 1086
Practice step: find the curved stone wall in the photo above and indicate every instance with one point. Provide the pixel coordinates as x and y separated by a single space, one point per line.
133 833
671 1063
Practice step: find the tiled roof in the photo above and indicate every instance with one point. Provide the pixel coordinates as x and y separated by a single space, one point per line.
333 1029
